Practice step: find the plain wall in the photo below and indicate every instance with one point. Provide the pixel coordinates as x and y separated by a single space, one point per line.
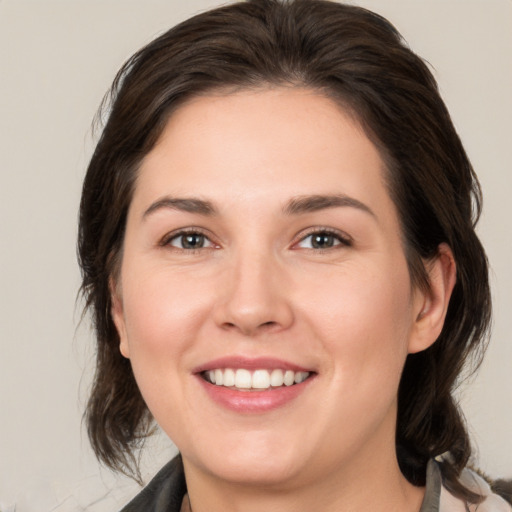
57 58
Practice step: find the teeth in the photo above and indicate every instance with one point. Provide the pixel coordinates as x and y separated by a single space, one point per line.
242 379
258 379
300 377
229 378
289 378
276 378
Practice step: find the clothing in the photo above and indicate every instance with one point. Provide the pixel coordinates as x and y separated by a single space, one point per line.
438 498
164 493
166 490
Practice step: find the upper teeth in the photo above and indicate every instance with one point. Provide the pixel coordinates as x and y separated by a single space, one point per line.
257 379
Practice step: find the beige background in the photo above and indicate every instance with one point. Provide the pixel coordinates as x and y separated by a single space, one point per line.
57 58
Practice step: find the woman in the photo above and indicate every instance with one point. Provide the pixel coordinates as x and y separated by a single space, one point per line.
277 244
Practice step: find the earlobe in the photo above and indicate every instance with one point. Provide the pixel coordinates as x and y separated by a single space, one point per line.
433 303
117 313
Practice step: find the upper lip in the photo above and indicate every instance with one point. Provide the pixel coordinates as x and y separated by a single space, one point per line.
257 363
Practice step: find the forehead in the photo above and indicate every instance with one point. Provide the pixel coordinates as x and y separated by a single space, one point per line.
263 145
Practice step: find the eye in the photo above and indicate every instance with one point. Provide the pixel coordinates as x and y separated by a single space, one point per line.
323 239
188 241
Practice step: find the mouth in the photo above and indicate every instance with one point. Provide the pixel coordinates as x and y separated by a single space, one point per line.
253 385
242 379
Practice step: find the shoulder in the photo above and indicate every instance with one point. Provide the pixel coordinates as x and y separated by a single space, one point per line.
491 503
163 493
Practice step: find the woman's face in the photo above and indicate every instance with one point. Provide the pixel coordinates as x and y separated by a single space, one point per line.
261 247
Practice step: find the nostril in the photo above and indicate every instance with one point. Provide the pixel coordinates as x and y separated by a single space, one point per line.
249 330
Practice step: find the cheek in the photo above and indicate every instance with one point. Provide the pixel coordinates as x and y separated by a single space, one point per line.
364 321
163 313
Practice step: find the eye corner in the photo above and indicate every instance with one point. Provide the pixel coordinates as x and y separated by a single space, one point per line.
205 240
332 239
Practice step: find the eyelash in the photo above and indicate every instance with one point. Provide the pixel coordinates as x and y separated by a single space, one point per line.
343 239
167 239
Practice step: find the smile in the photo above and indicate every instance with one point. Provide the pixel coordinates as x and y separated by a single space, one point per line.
254 385
243 379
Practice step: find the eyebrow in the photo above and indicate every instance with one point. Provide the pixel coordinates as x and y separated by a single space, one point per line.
307 204
190 205
296 205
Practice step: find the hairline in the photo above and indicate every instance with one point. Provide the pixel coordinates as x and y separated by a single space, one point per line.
417 272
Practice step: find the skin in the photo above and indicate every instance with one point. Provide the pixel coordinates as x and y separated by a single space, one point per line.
259 288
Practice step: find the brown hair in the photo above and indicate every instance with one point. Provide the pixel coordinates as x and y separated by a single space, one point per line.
359 59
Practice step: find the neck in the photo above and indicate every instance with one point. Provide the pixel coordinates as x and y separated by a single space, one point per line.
372 483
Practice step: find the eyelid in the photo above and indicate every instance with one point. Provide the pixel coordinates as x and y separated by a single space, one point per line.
166 239
345 239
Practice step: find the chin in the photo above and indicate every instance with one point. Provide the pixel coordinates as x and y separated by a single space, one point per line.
261 464
268 473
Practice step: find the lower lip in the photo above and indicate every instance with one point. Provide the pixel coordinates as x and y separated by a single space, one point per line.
253 401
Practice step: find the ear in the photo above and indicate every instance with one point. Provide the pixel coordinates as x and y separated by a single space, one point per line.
431 305
117 313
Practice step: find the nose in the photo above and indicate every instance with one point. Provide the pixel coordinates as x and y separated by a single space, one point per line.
254 298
